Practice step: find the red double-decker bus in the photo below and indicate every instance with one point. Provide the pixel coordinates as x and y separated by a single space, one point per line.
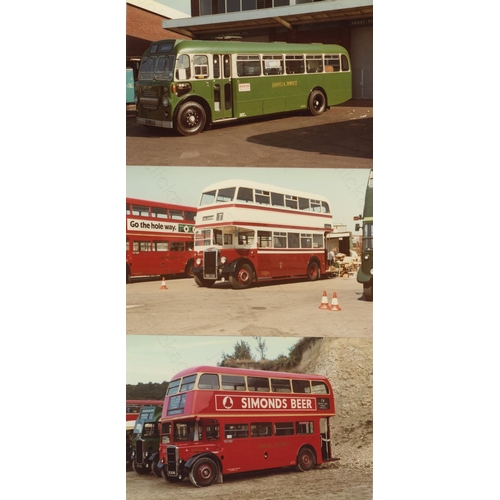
247 232
134 406
159 238
218 421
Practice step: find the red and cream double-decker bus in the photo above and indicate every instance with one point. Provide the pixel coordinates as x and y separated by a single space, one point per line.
246 232
218 421
159 238
134 406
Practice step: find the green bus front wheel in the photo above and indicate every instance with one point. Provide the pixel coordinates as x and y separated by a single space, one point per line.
191 118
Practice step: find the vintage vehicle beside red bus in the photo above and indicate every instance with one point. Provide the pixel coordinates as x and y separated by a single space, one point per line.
159 238
247 232
218 421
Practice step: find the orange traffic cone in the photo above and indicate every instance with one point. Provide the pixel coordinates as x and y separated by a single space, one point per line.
335 303
163 284
324 302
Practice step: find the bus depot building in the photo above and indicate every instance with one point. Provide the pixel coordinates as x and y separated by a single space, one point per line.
348 23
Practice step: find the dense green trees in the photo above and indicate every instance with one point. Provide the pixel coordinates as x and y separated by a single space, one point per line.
150 390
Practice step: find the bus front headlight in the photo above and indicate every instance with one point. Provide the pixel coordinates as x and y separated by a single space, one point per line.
198 261
223 260
165 100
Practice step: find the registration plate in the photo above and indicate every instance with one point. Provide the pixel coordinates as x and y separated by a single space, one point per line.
149 122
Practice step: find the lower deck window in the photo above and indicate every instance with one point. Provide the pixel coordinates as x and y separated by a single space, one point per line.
236 431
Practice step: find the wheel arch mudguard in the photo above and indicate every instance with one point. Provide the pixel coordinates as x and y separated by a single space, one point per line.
233 265
319 87
195 98
190 462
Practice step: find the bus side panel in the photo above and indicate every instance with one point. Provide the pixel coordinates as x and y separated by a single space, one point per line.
297 91
274 95
248 95
272 265
338 87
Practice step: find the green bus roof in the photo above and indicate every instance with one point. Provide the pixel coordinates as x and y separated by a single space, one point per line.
232 47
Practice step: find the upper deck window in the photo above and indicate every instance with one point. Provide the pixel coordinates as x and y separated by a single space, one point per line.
207 198
176 214
290 201
325 208
233 383
188 383
303 203
315 205
278 199
245 194
140 210
259 384
173 387
280 385
319 387
262 197
209 381
226 194
301 386
159 212
189 215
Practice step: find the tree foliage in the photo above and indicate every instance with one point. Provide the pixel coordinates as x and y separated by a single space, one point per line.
242 351
261 347
151 390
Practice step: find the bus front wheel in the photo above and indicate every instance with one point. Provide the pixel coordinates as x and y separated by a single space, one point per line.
242 278
154 467
191 118
203 282
204 472
305 460
140 470
317 102
171 479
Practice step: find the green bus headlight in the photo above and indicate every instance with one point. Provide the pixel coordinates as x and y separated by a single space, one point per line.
165 100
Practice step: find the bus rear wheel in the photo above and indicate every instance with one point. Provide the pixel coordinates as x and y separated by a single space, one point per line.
242 278
191 118
189 269
313 271
317 102
204 472
306 460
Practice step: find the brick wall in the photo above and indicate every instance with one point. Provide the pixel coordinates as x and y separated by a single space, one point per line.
144 27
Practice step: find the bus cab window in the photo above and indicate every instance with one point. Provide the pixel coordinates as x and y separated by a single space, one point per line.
217 237
183 71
